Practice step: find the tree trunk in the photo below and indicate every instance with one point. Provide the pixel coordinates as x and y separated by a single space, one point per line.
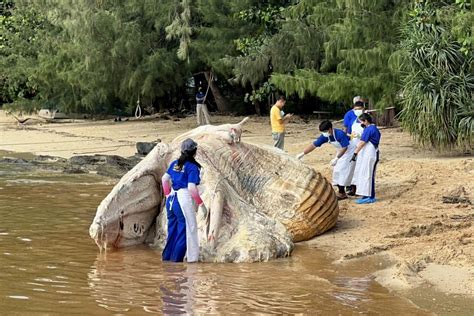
257 109
221 101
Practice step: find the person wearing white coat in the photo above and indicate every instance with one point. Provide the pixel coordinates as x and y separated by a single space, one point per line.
343 166
353 128
366 156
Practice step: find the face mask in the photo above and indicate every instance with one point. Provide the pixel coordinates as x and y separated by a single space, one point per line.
325 134
363 125
358 112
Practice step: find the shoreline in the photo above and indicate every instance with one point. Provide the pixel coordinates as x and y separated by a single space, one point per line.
429 241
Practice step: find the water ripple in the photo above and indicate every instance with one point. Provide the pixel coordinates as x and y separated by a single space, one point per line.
49 260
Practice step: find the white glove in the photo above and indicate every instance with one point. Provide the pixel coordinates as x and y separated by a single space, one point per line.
355 135
334 161
299 156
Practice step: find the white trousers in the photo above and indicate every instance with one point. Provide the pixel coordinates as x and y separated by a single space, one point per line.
189 211
202 114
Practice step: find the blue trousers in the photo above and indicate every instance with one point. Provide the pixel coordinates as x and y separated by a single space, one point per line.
175 248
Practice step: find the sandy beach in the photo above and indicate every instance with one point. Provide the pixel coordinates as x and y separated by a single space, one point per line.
426 240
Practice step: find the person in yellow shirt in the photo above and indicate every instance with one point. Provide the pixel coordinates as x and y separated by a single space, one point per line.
278 120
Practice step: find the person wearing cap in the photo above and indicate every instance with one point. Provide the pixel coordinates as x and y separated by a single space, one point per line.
366 156
353 128
180 188
202 113
343 166
278 119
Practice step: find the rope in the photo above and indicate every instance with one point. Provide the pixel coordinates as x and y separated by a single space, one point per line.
138 109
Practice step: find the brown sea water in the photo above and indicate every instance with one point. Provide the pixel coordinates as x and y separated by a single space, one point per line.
49 265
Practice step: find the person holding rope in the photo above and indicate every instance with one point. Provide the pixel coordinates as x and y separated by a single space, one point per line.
202 113
180 188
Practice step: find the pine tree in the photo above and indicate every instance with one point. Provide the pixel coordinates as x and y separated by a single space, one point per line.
258 56
206 31
103 55
351 51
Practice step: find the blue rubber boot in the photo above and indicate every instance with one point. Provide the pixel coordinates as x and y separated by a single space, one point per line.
366 200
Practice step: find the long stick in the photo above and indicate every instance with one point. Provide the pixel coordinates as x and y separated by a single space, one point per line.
211 76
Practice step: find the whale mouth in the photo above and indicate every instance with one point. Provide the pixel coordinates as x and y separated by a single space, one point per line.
125 216
97 231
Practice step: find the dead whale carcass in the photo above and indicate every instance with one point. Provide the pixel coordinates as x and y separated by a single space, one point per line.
259 199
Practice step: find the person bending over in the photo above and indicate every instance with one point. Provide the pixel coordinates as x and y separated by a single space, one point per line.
343 167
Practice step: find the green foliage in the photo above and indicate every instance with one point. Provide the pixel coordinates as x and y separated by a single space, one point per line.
205 31
261 52
267 16
351 54
261 94
216 29
438 105
267 21
19 32
100 56
462 25
181 29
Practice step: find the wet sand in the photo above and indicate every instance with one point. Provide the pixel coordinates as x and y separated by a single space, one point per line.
429 242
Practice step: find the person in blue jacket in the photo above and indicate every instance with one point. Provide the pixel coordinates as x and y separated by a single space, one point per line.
366 156
180 188
343 166
351 123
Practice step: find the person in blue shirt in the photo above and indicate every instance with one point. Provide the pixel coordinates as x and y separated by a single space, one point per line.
202 113
351 123
182 177
366 155
343 166
353 128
